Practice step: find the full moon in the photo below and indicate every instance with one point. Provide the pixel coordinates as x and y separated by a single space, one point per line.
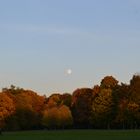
69 71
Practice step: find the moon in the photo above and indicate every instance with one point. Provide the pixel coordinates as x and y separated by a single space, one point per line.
69 71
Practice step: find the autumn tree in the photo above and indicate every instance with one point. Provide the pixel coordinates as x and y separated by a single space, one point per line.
134 100
7 108
96 90
82 106
66 99
57 117
28 109
133 115
121 96
102 109
109 82
66 118
54 100
108 105
135 89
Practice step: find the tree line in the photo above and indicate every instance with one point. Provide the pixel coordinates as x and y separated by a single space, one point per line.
110 105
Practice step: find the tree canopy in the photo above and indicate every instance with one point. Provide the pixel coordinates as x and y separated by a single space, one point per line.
108 105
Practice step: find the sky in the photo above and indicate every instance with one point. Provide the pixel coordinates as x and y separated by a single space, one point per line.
41 39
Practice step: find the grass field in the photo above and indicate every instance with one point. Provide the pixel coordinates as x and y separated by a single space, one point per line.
73 135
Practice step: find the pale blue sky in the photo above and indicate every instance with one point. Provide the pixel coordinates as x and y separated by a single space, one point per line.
40 39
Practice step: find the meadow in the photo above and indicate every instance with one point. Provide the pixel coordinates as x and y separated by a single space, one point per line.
72 134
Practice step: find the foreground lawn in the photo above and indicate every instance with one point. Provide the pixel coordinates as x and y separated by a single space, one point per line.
73 135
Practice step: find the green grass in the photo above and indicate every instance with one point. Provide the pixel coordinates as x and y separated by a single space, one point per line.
73 135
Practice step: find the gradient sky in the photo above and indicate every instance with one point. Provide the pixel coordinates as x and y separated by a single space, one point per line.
41 39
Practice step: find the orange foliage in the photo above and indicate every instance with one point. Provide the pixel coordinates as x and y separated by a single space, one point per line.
109 82
57 117
7 107
30 100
